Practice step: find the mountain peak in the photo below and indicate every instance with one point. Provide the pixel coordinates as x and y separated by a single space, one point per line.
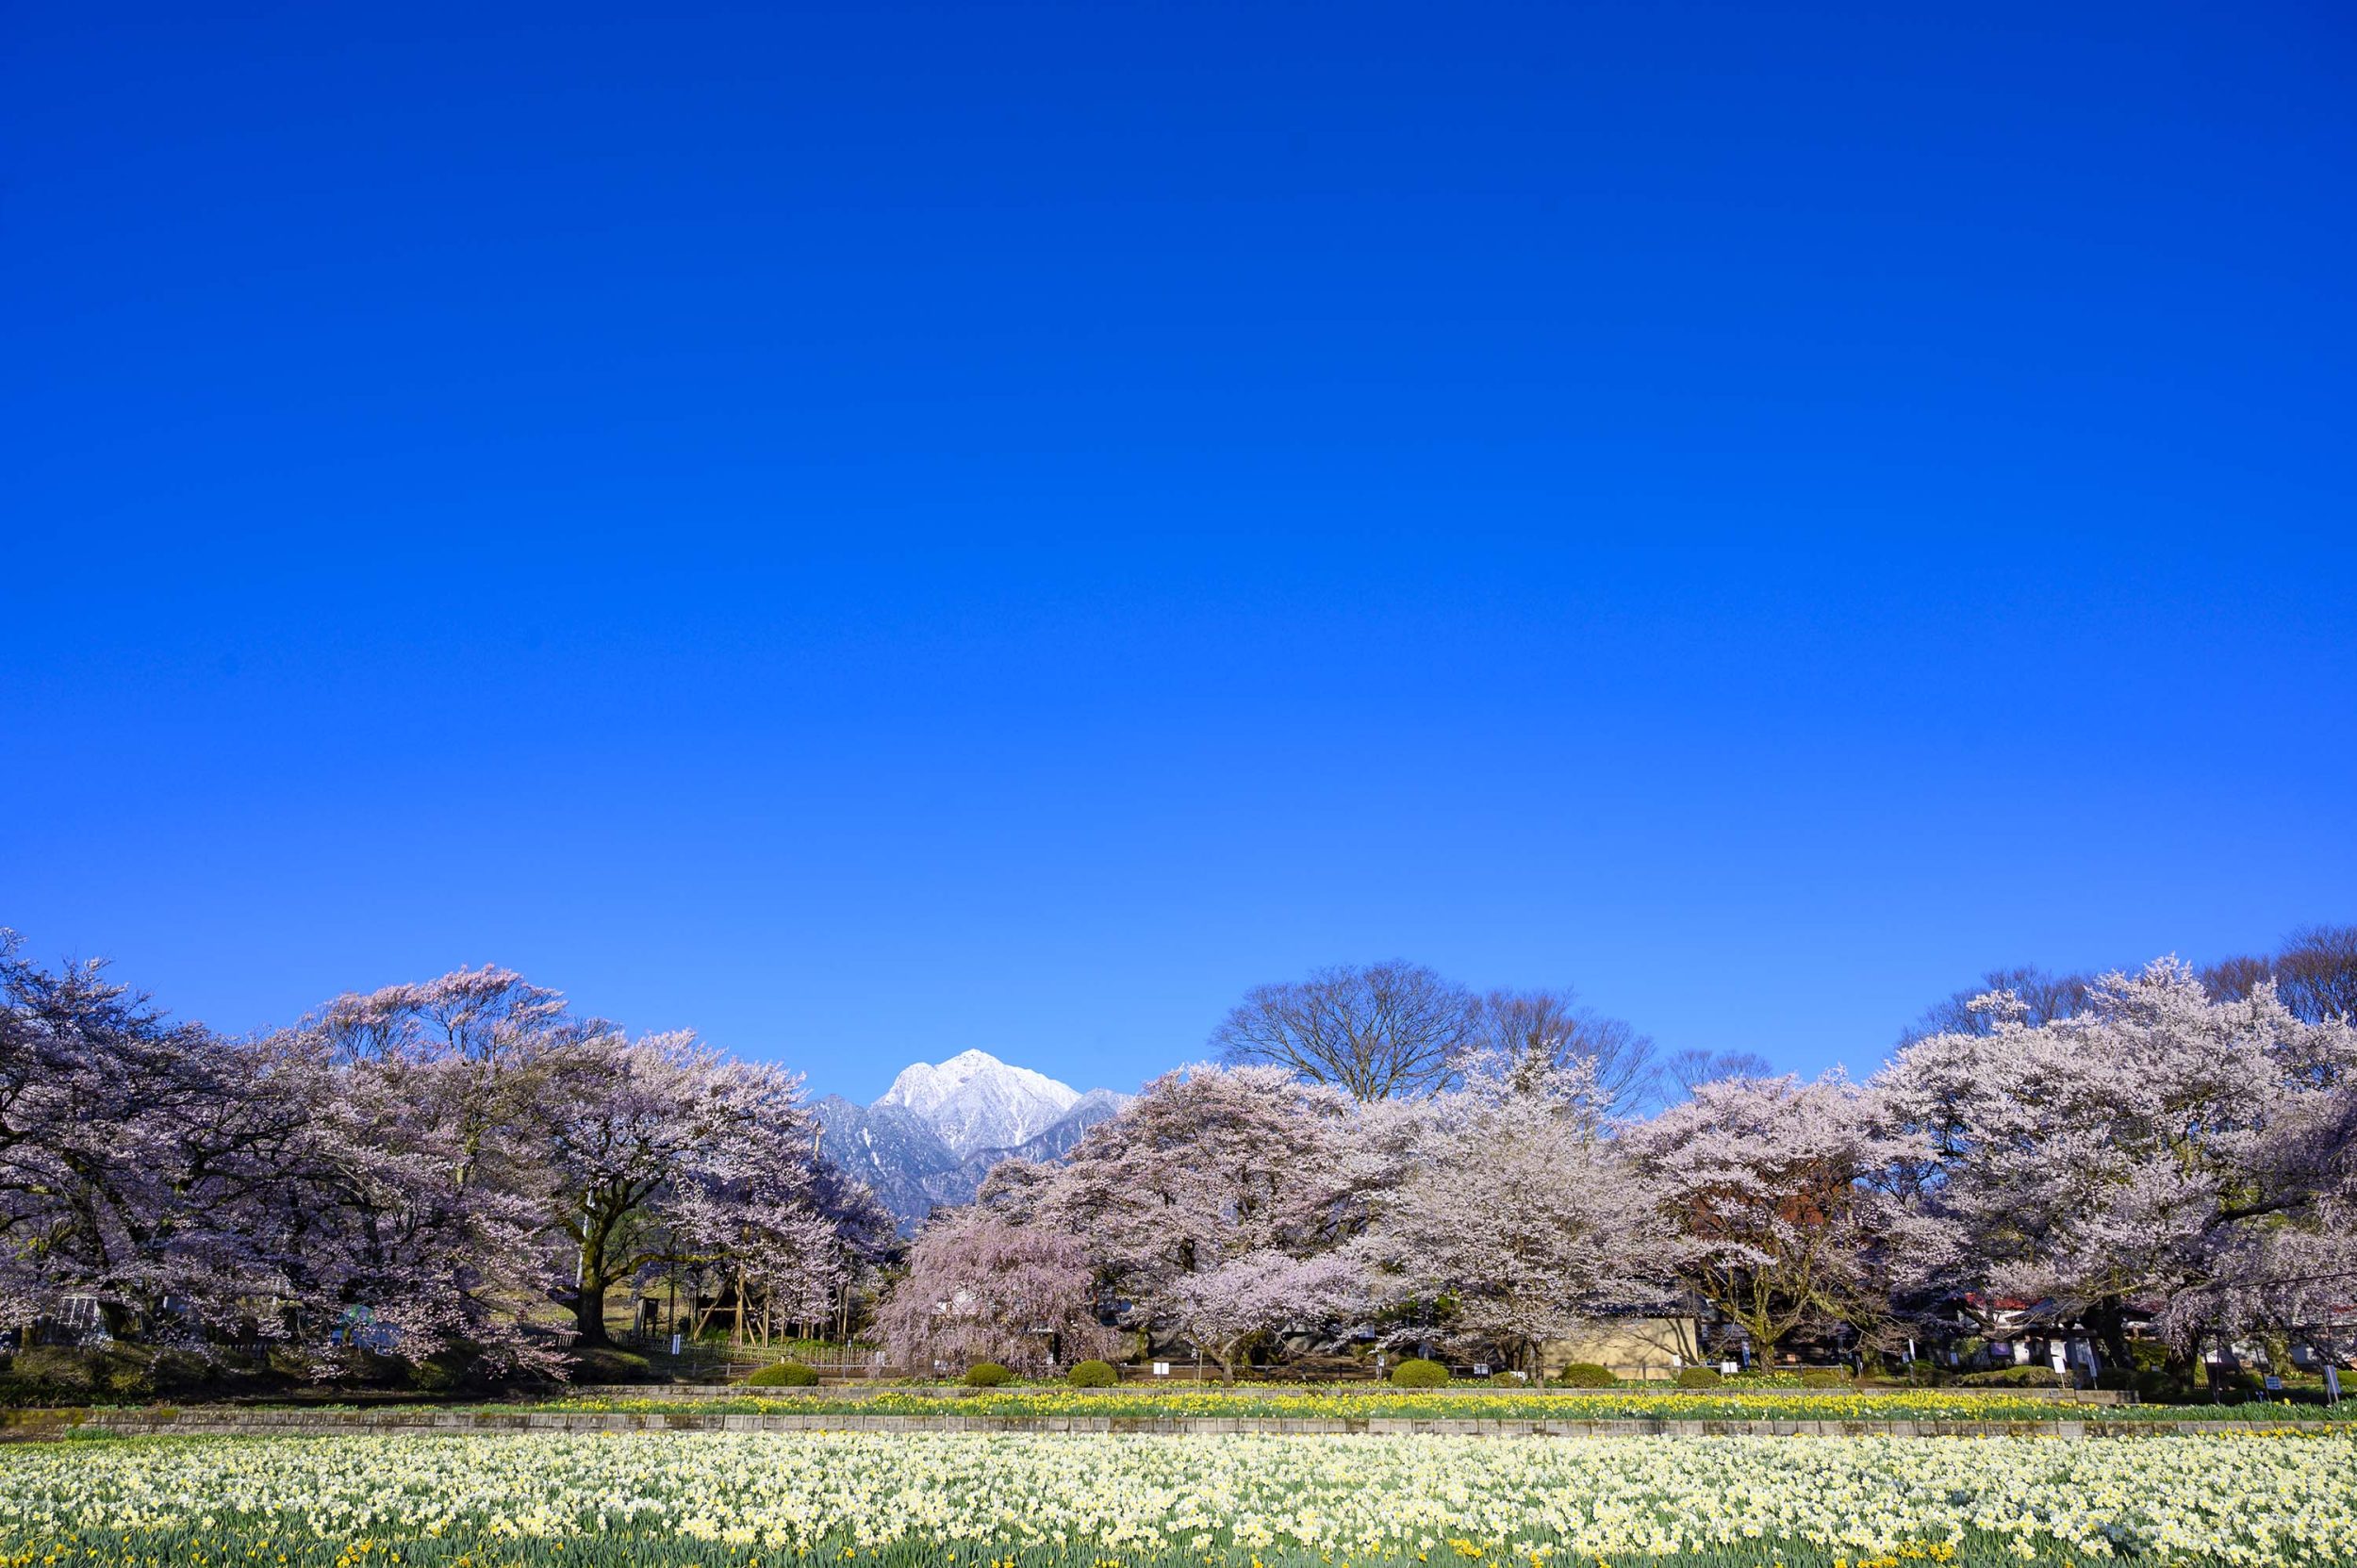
938 1132
973 1100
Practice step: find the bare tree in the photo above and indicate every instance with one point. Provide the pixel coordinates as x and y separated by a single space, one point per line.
2315 973
1530 1036
1390 1029
1692 1069
2235 979
2046 997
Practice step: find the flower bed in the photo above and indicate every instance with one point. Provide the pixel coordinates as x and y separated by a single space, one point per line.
959 1501
1608 1404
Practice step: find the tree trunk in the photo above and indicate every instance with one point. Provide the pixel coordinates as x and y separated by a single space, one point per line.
589 1309
2109 1319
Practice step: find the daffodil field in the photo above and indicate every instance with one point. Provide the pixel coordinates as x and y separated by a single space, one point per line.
951 1500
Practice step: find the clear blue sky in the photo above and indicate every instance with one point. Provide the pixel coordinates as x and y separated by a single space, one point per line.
874 531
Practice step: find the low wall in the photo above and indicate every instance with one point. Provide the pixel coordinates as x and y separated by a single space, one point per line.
224 1421
684 1392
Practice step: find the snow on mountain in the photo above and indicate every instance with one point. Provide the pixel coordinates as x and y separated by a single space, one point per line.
973 1100
935 1133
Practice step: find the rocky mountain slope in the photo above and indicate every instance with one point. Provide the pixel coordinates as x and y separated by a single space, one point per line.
929 1139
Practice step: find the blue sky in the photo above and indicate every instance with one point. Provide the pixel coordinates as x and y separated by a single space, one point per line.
880 530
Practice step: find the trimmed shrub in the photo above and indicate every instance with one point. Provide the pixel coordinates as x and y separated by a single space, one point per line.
1416 1372
1091 1375
783 1375
2015 1377
607 1363
1586 1375
1819 1377
1699 1376
55 1365
986 1374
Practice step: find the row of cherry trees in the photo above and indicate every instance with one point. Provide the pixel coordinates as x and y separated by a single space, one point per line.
438 1168
2159 1143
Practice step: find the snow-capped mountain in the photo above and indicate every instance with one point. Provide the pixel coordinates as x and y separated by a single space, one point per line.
973 1100
935 1133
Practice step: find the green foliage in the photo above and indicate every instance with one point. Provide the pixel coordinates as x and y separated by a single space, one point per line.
782 1374
54 1366
109 1371
2015 1377
2154 1376
448 1371
604 1363
1819 1377
1416 1372
1586 1375
986 1374
1093 1375
1699 1376
633 1547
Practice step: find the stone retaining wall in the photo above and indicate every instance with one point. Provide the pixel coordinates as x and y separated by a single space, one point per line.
688 1392
431 1422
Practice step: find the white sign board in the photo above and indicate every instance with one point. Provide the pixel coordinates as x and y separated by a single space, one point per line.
1161 1369
1481 1369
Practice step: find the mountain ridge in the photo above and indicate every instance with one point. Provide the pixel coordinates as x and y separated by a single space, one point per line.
973 1100
929 1140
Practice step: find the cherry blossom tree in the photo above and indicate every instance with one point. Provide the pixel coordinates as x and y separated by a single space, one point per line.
140 1160
2158 1145
568 1145
1779 1196
783 1233
437 1190
1522 1214
1237 1301
1206 1168
980 1288
780 1262
479 1049
624 1122
388 1245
